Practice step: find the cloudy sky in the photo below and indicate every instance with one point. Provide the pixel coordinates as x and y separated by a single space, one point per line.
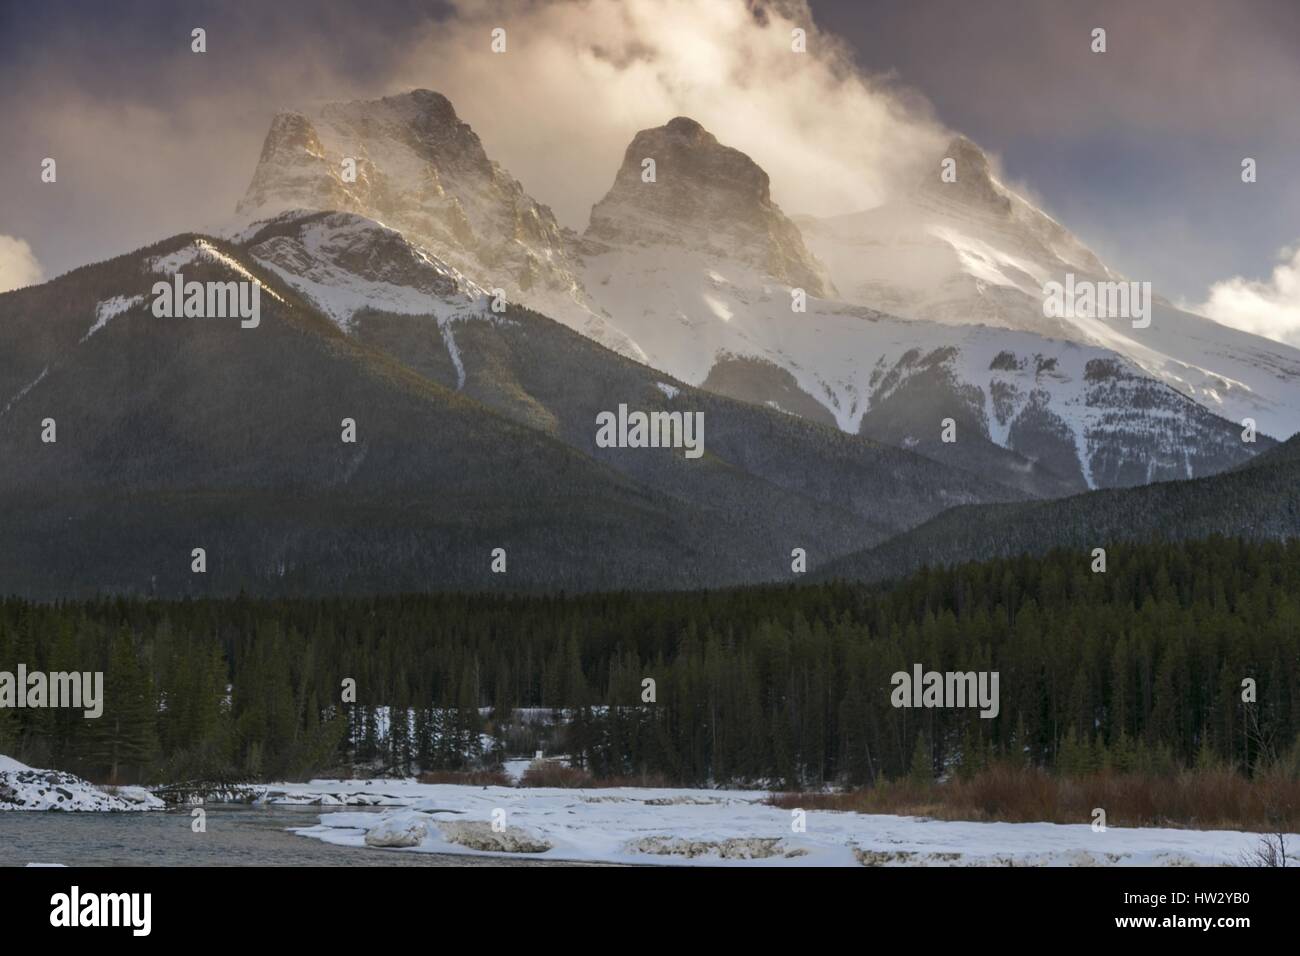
1138 150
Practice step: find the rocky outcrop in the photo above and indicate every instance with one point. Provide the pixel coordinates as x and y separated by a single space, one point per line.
706 197
25 788
409 162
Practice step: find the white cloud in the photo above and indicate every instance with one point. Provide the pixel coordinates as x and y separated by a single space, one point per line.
580 78
1270 308
18 266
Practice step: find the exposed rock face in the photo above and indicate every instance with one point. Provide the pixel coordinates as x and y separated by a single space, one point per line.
420 170
974 178
1084 415
293 171
707 197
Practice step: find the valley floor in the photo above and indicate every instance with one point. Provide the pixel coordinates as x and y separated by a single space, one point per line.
712 827
652 825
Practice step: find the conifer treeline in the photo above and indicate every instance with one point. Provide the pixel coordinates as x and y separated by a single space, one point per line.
1138 667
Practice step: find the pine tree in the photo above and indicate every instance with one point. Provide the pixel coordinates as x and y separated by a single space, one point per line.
921 770
124 737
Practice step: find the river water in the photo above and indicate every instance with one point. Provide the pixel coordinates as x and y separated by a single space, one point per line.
237 835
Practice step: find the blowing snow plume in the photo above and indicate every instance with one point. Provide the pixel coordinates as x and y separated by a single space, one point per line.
581 77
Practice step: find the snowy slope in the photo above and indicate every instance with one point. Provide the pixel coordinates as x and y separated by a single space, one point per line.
685 313
344 263
694 294
975 251
691 272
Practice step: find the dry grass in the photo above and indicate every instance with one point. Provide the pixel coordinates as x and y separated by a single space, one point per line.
550 773
469 778
554 774
1204 799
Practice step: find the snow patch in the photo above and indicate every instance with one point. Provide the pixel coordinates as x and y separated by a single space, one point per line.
479 835
23 391
26 788
109 309
399 830
173 262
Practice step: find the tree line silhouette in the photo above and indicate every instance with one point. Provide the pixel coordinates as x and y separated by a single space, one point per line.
1147 666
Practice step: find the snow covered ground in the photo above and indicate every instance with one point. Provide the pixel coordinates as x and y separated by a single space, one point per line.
713 827
659 826
27 788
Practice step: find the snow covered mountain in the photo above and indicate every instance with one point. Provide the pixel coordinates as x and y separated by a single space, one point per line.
409 162
975 251
708 290
688 266
471 429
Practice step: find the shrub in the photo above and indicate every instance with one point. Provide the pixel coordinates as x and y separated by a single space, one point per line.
549 773
468 778
1215 799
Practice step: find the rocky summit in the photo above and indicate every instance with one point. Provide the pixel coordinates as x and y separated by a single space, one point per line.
707 196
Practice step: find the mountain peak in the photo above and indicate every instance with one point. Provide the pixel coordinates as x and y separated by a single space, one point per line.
410 162
422 121
685 126
679 186
412 143
434 128
688 156
975 184
968 154
427 99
